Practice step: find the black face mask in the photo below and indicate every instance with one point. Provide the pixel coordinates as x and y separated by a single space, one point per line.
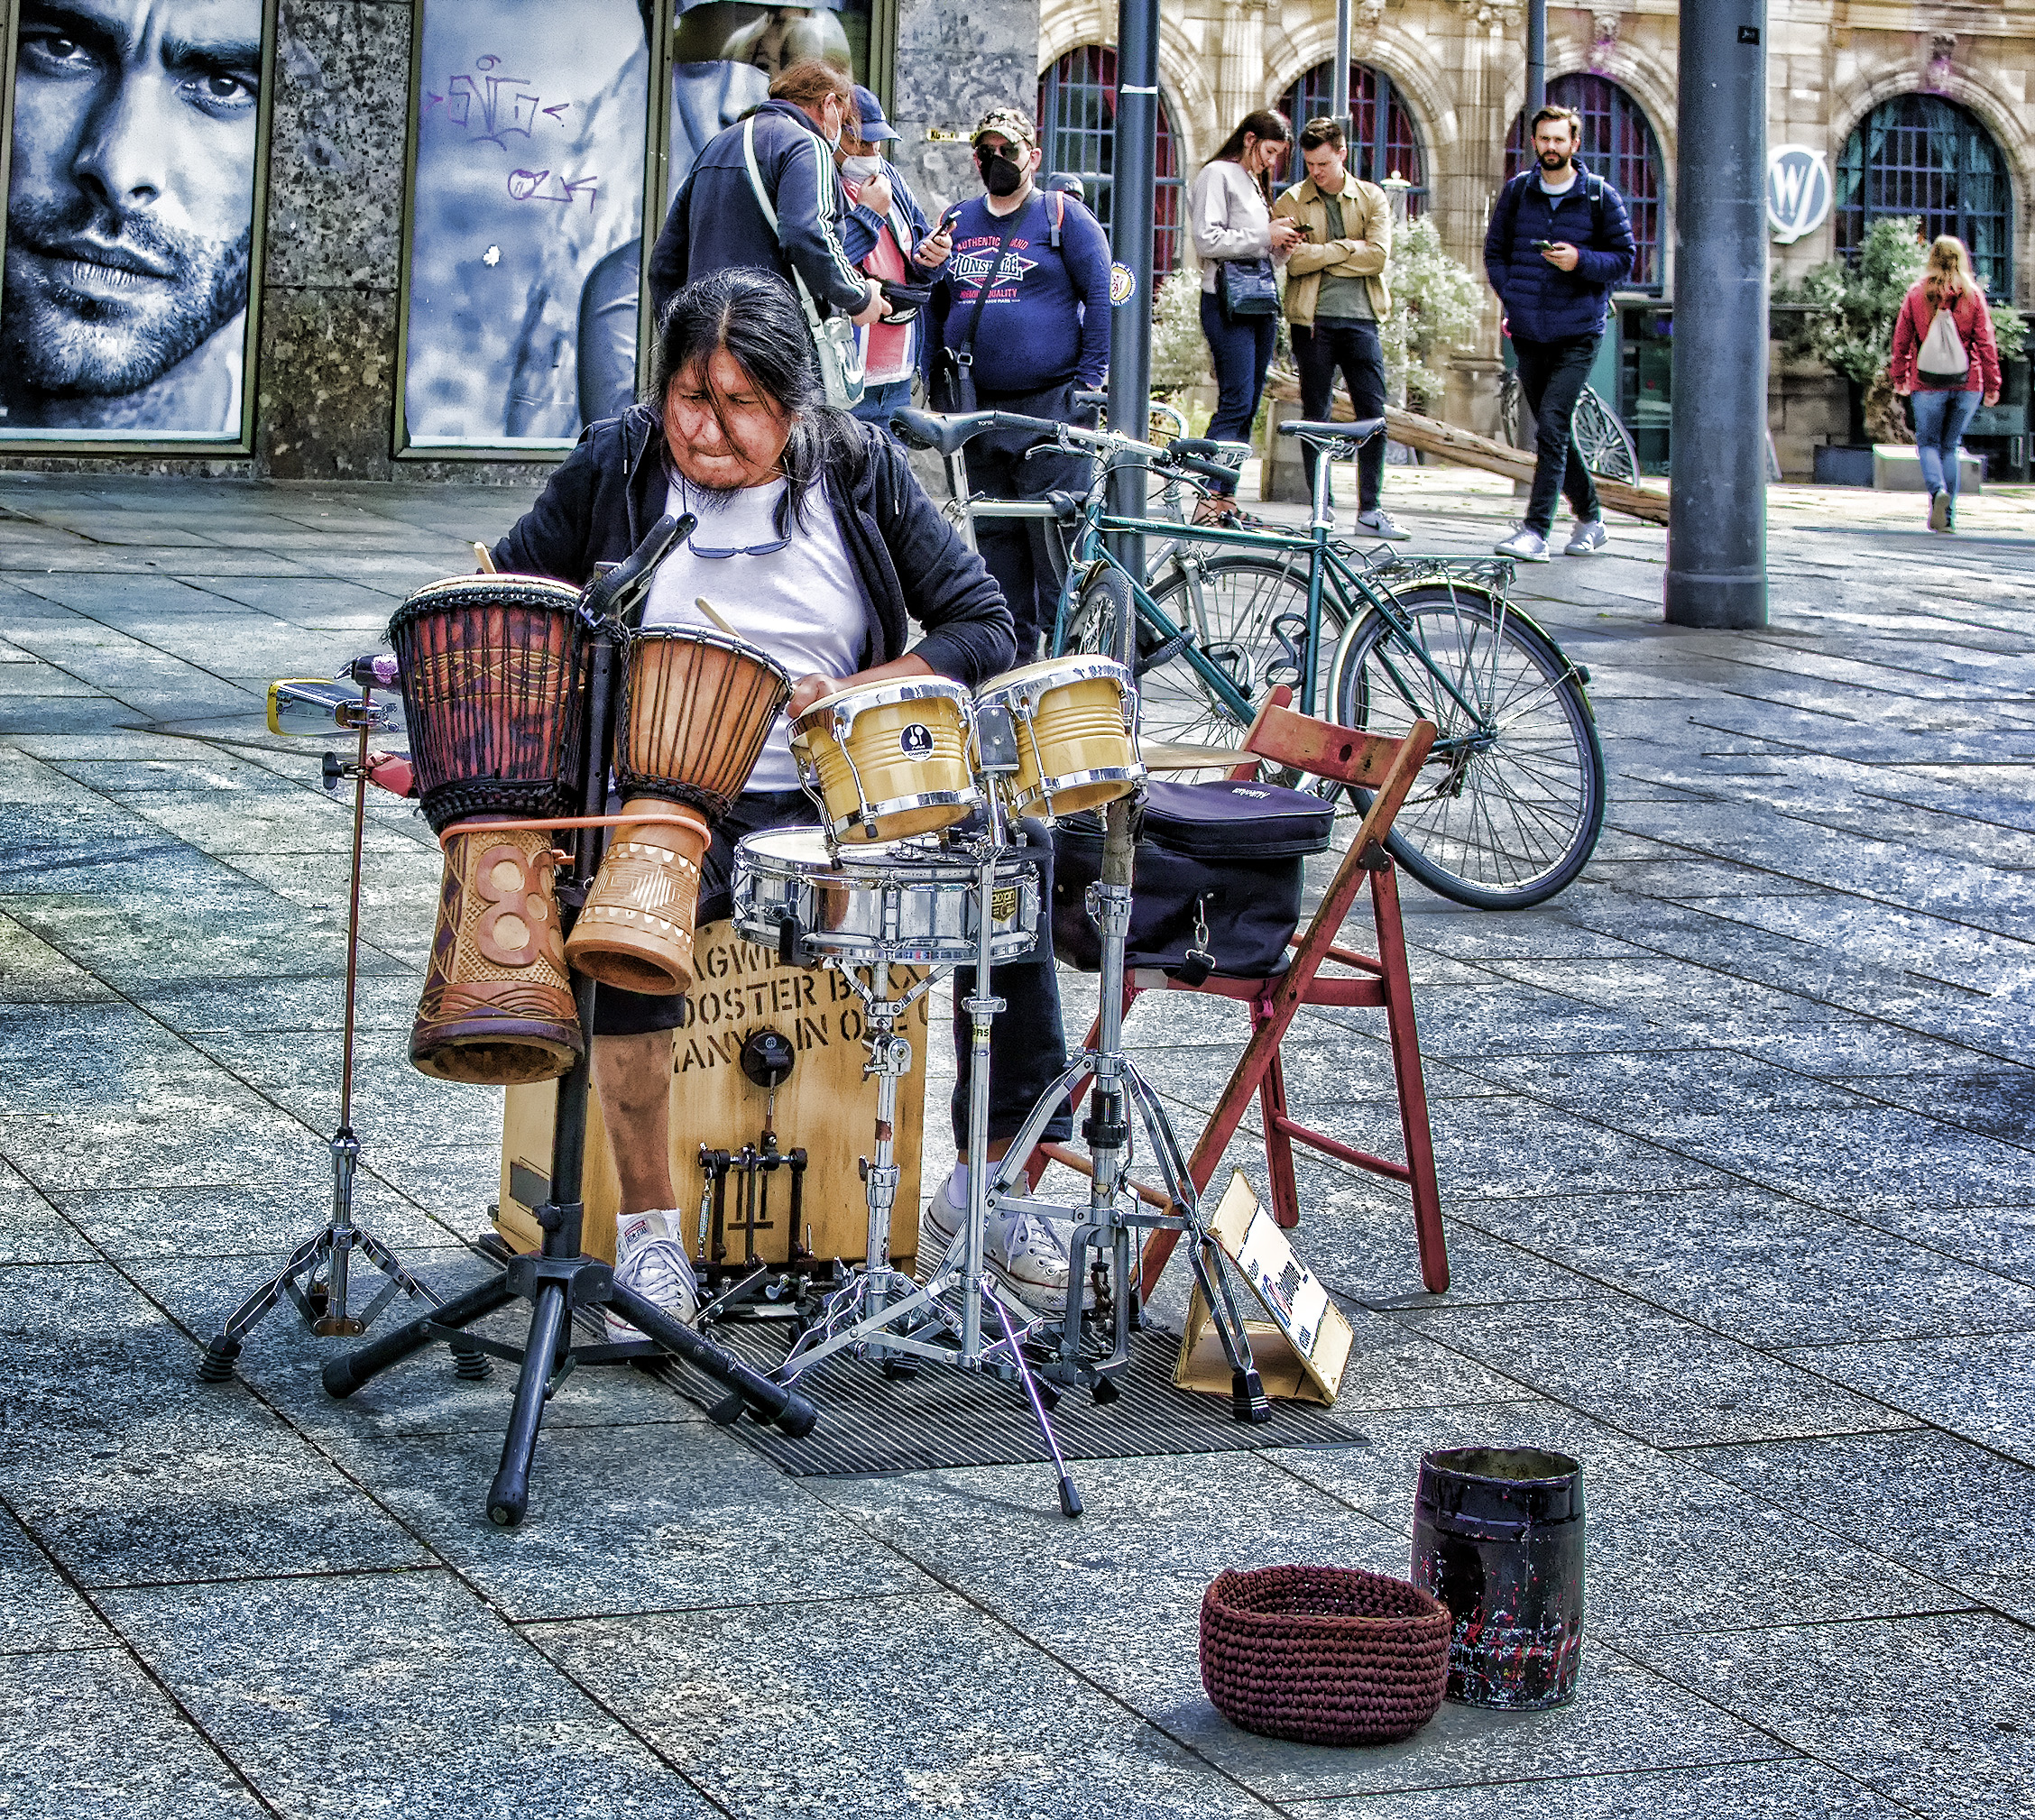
1002 176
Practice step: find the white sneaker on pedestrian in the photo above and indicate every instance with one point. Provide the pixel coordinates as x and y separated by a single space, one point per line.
1939 511
1525 545
650 1259
1584 535
1379 523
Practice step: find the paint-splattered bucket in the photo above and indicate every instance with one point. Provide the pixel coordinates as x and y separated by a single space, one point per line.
1499 1539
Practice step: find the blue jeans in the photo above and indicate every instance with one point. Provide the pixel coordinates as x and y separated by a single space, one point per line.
880 401
1941 419
1242 354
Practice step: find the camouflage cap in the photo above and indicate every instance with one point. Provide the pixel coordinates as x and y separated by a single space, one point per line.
1013 123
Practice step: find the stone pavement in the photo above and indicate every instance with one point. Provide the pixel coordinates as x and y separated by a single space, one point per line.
1735 1146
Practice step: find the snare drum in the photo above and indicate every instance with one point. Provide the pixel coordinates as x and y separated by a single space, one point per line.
695 709
887 760
901 902
494 684
1076 722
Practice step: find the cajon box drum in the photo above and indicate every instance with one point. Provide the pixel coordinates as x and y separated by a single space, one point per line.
826 1107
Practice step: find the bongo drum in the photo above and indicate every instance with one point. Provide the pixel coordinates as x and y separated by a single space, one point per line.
695 708
494 684
1076 722
886 760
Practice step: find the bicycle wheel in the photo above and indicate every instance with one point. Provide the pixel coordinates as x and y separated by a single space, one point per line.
1508 808
1601 439
1247 616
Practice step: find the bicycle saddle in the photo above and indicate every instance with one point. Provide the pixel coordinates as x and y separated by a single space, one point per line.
929 429
1361 431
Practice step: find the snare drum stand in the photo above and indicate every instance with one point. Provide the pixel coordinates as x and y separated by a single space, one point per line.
954 1299
322 1258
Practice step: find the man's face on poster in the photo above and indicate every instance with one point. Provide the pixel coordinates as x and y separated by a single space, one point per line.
131 199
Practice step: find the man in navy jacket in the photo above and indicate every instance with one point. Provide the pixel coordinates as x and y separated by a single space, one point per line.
1559 242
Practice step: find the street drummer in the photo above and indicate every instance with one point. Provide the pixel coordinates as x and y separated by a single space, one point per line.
817 545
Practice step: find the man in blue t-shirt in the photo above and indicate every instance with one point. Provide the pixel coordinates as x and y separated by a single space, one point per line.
1039 334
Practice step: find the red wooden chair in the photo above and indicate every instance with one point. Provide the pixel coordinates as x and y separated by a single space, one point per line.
1387 767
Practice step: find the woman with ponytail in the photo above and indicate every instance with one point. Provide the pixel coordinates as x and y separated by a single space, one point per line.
1946 361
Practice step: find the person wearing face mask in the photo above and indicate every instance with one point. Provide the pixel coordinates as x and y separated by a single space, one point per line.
716 220
819 546
1024 311
886 233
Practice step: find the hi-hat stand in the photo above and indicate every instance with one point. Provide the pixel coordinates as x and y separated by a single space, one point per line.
882 1314
315 1277
559 1279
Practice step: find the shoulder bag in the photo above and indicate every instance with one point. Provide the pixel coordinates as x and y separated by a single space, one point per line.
834 337
1246 288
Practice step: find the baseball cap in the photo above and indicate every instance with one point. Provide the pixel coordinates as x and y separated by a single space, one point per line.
869 110
1013 123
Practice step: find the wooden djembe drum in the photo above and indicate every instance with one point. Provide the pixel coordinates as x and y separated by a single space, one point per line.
494 671
695 709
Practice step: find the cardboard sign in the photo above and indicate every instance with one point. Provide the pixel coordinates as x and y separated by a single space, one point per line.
1304 1350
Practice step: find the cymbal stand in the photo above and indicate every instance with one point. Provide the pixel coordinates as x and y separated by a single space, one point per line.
942 1318
315 1277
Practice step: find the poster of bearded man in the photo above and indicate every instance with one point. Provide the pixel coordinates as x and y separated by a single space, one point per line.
136 126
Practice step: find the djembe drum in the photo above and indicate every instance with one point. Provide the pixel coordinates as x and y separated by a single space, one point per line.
493 683
695 708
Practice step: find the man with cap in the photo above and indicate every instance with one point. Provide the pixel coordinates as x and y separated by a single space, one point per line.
1024 312
884 231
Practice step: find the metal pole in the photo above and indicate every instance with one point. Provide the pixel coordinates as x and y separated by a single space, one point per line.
1536 64
1338 84
1130 321
1716 522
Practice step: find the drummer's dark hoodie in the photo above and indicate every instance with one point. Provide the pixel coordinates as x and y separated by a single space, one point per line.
605 497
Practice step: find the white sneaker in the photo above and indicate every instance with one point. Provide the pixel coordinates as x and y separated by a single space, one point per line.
650 1259
1028 1253
1584 535
1525 545
1379 523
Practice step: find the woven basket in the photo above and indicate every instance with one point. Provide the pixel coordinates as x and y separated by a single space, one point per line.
1323 1655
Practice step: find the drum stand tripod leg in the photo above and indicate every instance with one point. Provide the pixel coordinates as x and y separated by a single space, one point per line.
329 1253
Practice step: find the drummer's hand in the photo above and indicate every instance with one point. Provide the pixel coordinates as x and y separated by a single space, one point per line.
808 689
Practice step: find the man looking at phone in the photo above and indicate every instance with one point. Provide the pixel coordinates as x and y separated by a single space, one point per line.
1558 242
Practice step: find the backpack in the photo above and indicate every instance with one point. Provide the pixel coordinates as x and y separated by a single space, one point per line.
1514 193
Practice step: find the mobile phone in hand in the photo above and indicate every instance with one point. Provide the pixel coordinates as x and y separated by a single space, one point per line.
1543 244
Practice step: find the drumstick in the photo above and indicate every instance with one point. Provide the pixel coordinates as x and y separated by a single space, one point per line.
720 624
486 561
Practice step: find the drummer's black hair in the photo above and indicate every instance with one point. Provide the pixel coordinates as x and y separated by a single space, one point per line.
753 316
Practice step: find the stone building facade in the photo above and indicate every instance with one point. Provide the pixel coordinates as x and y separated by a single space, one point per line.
1459 71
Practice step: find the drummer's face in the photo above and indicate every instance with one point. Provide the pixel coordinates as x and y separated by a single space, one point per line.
723 430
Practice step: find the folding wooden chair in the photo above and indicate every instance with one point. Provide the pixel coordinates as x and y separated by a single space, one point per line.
1387 767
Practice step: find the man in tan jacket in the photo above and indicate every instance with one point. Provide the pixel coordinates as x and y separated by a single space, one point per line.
1336 298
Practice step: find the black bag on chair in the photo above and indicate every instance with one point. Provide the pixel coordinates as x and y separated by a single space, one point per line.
1218 884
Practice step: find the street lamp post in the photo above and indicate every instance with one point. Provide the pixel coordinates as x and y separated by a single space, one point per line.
1717 513
1130 214
1536 63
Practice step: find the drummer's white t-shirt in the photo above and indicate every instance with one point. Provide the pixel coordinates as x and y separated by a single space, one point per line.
804 604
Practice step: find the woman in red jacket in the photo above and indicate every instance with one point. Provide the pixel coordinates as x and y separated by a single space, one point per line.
1944 358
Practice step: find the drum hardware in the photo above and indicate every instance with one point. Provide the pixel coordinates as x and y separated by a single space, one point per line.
316 1276
879 1313
767 1059
559 1278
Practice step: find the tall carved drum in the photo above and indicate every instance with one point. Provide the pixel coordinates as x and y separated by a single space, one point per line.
493 682
696 709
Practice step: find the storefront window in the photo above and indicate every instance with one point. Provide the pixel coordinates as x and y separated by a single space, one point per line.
133 221
1919 154
1619 146
1077 115
1383 137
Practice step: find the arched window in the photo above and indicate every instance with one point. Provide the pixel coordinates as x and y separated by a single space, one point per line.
1383 137
1077 114
1920 155
1619 146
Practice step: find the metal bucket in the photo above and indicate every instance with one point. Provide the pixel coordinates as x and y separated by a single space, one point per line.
1499 1539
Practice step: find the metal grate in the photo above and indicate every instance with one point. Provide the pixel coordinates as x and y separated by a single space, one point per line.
944 1418
1382 135
1619 146
1077 113
1917 154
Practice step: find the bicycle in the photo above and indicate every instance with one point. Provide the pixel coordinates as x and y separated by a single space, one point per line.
1512 801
